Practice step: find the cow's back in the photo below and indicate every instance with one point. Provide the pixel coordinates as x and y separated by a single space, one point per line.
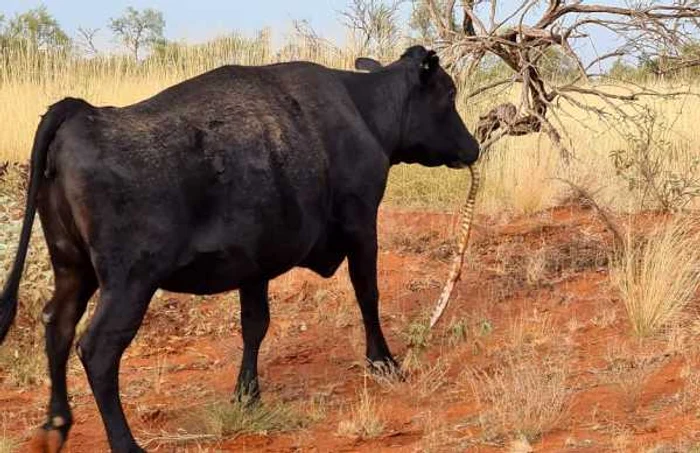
225 176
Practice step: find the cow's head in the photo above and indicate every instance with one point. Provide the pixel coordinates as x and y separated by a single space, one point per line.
432 132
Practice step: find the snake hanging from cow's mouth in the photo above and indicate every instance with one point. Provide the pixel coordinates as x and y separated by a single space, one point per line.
466 217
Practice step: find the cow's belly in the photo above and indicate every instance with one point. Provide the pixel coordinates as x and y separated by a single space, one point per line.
241 255
210 273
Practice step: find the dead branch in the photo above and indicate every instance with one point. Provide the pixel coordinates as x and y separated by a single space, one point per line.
528 34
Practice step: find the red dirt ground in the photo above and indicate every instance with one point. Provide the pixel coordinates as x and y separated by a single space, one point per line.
534 290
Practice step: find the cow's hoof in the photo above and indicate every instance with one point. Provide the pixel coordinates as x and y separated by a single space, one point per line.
245 399
247 395
387 369
45 441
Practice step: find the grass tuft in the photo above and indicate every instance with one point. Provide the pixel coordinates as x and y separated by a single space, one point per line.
7 445
658 277
226 420
364 418
520 398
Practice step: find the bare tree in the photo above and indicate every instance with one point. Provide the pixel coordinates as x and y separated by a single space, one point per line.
375 23
521 34
138 29
86 40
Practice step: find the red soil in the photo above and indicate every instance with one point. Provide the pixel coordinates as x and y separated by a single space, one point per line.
188 351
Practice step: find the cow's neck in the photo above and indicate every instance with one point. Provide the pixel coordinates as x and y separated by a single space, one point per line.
381 99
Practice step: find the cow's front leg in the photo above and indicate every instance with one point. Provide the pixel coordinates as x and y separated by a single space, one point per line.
362 263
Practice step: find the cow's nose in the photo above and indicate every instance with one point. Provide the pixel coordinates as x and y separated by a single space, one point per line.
470 154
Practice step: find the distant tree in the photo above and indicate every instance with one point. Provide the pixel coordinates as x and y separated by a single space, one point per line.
623 71
36 28
138 29
375 23
554 64
421 21
3 35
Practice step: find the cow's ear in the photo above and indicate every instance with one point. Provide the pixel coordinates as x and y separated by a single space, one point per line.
429 65
367 64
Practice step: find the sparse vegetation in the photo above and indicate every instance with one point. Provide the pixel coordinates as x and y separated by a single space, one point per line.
417 335
662 173
520 398
631 374
7 445
543 272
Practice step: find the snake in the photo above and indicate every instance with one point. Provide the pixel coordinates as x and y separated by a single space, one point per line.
466 215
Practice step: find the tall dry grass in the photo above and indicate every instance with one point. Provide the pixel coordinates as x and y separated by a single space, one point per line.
31 80
364 418
519 172
659 277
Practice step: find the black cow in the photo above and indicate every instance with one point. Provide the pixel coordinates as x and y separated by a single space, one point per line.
222 182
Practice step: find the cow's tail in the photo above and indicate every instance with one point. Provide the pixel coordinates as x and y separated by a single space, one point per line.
45 133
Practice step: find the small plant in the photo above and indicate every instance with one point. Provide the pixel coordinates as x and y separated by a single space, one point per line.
520 398
365 420
536 266
630 376
458 332
417 336
658 277
661 173
485 327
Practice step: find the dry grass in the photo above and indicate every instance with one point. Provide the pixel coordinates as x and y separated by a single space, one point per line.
536 266
630 376
7 445
364 418
437 435
228 420
520 398
526 333
518 172
659 277
31 80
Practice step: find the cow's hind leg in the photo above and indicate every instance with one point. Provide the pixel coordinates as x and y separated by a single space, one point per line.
117 319
74 287
255 319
